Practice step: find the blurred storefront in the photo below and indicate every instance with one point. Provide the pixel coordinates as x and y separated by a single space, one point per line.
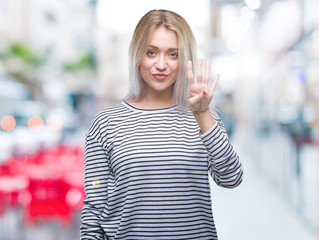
287 126
271 49
47 71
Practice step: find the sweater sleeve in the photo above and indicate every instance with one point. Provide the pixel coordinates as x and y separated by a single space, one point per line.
223 162
95 185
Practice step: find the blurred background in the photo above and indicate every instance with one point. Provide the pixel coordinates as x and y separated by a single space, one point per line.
62 61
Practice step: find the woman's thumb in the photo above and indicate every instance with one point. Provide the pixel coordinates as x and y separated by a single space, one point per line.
197 98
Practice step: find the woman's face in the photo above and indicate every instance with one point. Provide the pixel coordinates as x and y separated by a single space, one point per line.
159 66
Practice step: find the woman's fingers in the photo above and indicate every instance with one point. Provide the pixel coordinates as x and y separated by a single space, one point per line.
190 75
215 82
201 93
199 70
207 73
200 78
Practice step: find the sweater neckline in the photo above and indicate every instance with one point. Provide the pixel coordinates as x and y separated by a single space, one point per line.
142 110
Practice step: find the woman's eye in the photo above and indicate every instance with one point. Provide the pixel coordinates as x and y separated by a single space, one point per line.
151 53
174 55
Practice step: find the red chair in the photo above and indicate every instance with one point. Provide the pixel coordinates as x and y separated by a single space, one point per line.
11 185
48 201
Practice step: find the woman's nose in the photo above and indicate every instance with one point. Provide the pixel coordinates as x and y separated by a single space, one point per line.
161 63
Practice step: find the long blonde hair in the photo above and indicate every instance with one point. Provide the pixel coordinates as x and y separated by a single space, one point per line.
138 47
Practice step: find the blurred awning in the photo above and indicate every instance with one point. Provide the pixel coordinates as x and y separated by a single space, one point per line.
10 89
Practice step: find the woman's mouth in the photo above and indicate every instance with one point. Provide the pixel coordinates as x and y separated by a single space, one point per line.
160 76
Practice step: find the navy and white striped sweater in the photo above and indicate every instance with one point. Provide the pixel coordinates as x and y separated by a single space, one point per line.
146 174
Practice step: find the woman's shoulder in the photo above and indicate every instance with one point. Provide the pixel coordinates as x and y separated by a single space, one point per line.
102 118
110 110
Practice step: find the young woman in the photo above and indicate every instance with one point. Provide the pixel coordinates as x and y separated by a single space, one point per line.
148 157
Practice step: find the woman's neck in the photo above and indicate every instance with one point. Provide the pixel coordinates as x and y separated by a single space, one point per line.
151 102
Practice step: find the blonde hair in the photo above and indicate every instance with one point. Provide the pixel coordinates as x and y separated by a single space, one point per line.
138 47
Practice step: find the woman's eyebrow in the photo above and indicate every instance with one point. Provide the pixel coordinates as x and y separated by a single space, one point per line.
170 49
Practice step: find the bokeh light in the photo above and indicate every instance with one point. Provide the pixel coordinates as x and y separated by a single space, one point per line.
35 123
54 123
8 123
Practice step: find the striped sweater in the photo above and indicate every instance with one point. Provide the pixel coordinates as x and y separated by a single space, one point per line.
146 174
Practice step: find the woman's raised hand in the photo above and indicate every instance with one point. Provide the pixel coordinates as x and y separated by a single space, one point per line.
200 93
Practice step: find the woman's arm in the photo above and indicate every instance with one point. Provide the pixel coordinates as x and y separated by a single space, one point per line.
205 120
95 186
224 164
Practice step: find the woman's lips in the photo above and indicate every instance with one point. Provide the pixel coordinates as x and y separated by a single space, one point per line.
160 76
